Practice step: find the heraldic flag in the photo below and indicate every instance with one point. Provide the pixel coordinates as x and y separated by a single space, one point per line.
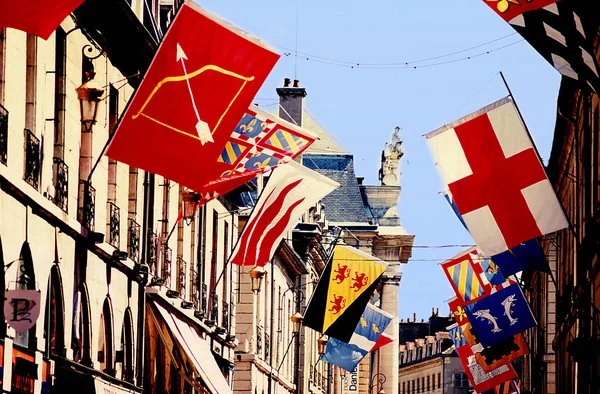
466 276
500 315
260 142
198 87
499 186
290 191
557 31
342 294
527 255
366 334
493 356
39 17
480 380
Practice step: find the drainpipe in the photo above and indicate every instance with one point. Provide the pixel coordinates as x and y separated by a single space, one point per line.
147 221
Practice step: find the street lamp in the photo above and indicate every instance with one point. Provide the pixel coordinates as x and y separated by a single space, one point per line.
89 97
296 319
322 345
256 275
191 201
379 379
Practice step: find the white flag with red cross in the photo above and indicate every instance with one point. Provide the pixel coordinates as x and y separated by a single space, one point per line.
499 185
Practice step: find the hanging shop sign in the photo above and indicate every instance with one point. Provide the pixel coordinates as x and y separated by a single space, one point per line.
22 308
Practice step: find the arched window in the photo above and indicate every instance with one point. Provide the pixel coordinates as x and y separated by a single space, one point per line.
106 347
54 322
26 280
81 341
127 346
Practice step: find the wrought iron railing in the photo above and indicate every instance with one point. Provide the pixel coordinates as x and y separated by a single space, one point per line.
225 318
259 339
32 159
195 295
133 240
166 263
114 225
152 253
61 183
3 135
88 213
181 266
214 307
204 300
267 346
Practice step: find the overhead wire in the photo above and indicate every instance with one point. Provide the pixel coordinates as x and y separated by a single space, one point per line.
397 64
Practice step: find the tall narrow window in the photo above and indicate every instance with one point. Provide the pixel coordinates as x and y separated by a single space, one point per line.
26 280
81 339
54 327
113 116
225 278
106 349
30 82
214 268
2 63
127 346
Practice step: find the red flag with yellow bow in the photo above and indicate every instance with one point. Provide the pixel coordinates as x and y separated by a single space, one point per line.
198 87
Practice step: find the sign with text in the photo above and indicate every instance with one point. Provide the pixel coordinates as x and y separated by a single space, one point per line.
351 382
22 308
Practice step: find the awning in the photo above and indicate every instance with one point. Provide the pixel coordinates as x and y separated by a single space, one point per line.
197 350
67 377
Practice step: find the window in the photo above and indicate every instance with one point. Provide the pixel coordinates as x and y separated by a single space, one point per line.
439 380
2 62
30 82
428 382
26 280
113 116
403 387
106 339
423 384
214 313
81 340
461 380
127 346
418 385
54 316
433 382
225 278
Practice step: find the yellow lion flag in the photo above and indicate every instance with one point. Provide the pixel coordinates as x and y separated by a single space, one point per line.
343 292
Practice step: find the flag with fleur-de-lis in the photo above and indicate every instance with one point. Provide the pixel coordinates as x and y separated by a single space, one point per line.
260 142
560 30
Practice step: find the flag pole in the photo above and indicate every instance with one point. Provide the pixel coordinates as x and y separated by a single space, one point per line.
571 226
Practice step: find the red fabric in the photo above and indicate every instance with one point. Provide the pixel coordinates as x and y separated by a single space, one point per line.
384 339
497 181
225 70
508 9
39 17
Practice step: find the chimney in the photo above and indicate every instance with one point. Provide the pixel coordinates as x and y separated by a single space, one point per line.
437 311
432 311
360 180
415 317
291 101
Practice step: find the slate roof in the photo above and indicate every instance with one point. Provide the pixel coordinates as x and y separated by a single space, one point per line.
345 204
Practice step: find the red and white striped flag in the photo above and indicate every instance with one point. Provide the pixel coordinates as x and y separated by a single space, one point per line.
291 190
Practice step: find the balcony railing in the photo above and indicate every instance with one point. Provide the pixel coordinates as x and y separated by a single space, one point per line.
133 240
195 295
259 339
166 263
3 135
181 266
214 307
153 253
88 213
32 159
114 225
267 346
204 300
225 319
61 183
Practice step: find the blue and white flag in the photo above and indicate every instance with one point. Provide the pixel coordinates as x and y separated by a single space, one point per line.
370 327
500 315
526 256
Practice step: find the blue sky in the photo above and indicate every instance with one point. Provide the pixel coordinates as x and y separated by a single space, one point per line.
360 106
